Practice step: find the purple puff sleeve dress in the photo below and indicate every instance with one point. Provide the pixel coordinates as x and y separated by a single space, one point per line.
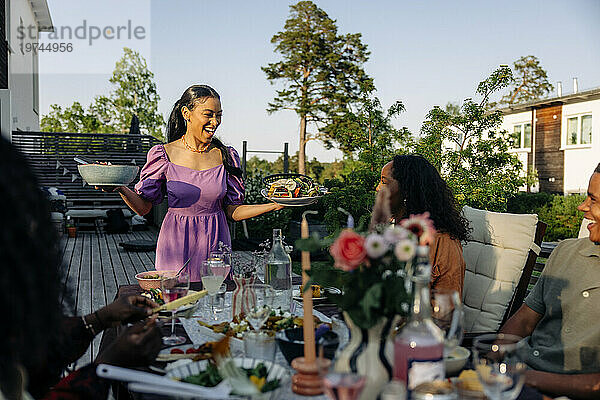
195 222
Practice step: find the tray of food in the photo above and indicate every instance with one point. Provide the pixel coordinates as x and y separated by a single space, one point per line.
294 190
319 293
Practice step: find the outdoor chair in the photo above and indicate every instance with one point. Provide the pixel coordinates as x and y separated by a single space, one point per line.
499 257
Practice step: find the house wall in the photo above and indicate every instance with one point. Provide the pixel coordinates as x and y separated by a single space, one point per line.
524 155
549 156
23 68
580 161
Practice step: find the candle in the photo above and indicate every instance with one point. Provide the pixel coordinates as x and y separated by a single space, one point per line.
309 323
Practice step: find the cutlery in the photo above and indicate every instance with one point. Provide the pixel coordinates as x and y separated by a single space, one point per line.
184 265
82 160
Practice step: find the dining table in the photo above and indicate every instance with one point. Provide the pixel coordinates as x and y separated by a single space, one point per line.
185 328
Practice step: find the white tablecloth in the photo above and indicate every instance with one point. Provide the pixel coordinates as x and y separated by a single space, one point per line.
199 335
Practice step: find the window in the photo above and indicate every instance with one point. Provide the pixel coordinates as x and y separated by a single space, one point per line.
579 129
521 136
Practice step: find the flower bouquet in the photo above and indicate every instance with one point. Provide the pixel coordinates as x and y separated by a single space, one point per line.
372 268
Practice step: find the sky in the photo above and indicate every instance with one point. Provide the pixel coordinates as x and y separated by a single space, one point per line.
423 53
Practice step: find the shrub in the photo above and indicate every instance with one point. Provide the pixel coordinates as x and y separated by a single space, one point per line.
559 212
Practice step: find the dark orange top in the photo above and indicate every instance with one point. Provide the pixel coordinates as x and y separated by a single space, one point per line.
447 263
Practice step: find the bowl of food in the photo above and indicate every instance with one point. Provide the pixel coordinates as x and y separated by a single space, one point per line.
456 360
149 280
107 174
291 343
292 189
269 378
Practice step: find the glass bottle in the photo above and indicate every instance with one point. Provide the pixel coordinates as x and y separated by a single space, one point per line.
278 272
419 346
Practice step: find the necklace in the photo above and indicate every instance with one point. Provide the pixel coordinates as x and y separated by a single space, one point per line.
190 148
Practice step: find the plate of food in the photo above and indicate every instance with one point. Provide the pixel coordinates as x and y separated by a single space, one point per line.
268 377
276 322
319 294
187 351
294 190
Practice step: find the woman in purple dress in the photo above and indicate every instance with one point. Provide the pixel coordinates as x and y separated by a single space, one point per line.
203 182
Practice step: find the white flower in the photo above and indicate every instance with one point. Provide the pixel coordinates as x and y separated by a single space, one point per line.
393 234
404 307
386 273
375 245
286 315
405 250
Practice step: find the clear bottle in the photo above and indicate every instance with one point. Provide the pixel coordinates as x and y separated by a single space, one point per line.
419 346
278 272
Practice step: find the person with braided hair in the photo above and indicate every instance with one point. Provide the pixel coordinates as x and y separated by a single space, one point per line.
203 182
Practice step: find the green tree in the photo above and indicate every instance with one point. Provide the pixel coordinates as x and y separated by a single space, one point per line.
530 82
471 152
368 133
134 93
321 72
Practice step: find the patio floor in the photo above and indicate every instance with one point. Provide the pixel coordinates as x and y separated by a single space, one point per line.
95 266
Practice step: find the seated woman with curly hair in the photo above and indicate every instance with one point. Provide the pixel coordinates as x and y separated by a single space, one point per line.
415 187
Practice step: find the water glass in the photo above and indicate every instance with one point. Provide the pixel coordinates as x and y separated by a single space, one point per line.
219 304
259 346
447 313
499 362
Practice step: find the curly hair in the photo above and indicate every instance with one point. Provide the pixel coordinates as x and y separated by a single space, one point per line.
30 279
423 189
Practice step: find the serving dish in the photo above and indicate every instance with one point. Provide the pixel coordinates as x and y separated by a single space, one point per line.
108 175
275 371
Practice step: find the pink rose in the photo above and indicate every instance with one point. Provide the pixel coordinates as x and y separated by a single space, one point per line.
348 250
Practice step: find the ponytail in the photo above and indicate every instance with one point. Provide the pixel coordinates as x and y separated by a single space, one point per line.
227 160
177 126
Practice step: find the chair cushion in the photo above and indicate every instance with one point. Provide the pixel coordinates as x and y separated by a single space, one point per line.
495 257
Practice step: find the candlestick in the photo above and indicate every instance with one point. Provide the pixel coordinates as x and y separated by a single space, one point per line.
307 380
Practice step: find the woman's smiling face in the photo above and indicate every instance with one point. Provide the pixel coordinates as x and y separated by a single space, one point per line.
204 119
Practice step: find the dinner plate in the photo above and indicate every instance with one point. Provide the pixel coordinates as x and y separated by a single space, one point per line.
317 300
276 371
292 201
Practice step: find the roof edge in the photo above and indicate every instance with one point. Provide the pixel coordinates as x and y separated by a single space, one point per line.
590 94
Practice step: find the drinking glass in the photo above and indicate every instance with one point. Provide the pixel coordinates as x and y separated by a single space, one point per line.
499 362
214 275
223 256
259 346
174 285
343 385
260 301
447 313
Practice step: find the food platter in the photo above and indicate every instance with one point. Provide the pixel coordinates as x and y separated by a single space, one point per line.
292 201
293 190
317 300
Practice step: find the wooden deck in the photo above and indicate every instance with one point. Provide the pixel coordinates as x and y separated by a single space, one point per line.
95 266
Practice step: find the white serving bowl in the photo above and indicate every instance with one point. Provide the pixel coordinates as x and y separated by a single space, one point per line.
276 371
108 175
456 361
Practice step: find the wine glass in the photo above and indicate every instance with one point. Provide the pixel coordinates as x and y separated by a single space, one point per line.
499 362
174 284
214 275
338 385
447 313
261 301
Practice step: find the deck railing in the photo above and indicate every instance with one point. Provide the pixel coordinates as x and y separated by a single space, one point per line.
51 157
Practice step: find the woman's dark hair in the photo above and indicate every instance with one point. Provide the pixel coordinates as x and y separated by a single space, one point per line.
177 127
30 278
421 185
